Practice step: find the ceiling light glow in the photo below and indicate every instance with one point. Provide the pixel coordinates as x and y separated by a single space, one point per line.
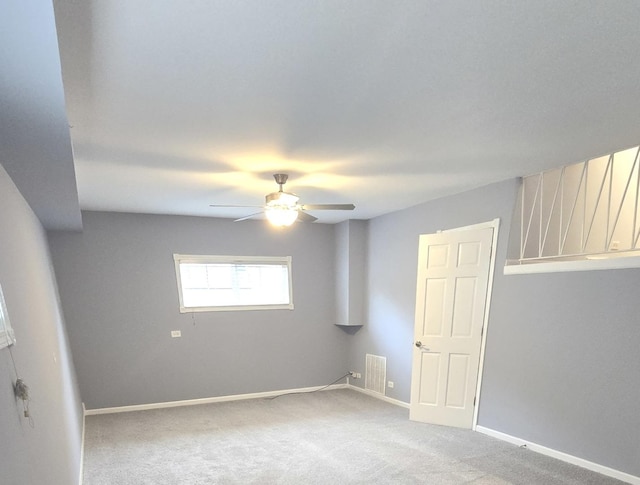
280 215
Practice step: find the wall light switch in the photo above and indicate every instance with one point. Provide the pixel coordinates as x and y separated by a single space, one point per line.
176 333
390 384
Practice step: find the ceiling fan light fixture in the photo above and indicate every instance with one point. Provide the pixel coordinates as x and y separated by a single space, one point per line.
283 209
286 199
281 216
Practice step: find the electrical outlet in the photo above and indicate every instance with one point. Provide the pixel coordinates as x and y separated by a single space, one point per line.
358 375
176 333
390 384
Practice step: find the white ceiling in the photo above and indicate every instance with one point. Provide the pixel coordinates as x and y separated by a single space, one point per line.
175 105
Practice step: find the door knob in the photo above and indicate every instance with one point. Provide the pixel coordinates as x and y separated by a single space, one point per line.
420 346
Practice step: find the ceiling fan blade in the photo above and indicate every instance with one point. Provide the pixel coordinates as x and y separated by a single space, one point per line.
237 206
248 217
328 207
304 217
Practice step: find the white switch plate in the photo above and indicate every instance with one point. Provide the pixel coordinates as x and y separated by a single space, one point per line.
390 384
176 333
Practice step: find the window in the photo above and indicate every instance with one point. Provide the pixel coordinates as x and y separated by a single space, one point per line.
220 283
6 332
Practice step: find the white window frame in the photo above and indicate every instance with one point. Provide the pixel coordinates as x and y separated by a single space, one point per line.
239 260
7 336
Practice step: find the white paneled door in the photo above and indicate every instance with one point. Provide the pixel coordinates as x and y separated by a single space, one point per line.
453 277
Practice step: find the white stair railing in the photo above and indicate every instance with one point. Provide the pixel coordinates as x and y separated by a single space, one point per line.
584 209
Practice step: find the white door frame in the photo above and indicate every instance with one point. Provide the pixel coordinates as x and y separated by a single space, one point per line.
495 224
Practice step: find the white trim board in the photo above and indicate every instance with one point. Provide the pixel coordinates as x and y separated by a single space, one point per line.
235 397
208 400
574 460
402 404
81 477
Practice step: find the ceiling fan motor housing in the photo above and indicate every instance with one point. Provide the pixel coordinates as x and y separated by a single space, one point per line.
282 199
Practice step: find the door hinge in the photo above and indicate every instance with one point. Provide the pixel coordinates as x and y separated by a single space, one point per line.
482 331
474 400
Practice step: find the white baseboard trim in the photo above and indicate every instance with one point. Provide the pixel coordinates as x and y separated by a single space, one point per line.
208 400
402 404
574 460
84 414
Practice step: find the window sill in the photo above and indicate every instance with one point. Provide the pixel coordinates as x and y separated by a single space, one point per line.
235 308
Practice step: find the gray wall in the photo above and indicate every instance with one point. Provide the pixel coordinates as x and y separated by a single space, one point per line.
392 273
118 288
562 365
50 451
350 270
561 368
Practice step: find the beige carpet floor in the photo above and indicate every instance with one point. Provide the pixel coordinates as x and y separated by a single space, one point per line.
329 437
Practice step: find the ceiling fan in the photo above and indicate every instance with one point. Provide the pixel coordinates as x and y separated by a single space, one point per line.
282 208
